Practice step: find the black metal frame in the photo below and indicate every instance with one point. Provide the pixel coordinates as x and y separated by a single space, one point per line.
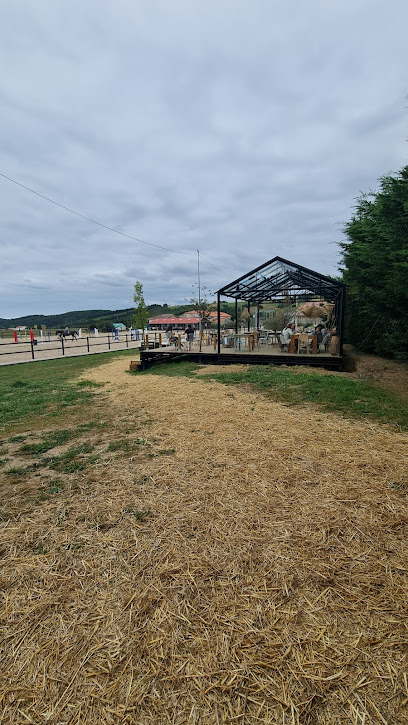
275 280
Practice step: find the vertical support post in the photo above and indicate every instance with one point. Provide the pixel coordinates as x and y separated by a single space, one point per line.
147 342
236 316
249 316
342 300
62 345
159 339
127 343
179 342
257 317
32 349
218 324
109 342
87 343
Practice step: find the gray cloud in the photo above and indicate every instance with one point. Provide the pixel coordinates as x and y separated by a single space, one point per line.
243 130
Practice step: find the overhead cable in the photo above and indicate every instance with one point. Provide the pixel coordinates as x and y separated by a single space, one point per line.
94 221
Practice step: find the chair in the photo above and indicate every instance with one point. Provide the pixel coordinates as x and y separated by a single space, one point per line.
303 344
324 344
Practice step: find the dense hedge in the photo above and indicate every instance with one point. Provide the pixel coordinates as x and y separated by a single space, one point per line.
375 259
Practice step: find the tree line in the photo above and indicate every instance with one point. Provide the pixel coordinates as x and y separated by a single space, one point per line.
375 269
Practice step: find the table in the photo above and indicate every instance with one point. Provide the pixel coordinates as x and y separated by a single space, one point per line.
295 338
248 340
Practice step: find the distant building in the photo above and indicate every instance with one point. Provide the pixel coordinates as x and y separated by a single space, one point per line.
178 323
224 317
190 318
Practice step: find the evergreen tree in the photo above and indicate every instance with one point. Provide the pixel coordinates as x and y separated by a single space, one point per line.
375 261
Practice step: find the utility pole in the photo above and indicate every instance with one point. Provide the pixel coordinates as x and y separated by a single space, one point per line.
199 294
198 274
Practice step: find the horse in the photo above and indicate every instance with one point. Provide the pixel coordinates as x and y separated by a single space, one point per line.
67 333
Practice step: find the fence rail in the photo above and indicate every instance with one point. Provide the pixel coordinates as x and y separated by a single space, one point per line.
25 351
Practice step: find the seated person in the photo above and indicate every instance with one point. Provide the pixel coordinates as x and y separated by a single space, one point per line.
286 334
323 336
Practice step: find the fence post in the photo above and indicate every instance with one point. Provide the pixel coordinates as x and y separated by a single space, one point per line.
87 343
32 349
127 344
62 344
109 342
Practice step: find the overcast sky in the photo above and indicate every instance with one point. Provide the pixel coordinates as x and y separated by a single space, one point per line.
242 128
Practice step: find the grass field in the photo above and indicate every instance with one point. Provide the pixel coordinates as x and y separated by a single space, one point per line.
190 548
49 391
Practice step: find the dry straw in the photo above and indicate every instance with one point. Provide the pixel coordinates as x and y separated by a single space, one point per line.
256 575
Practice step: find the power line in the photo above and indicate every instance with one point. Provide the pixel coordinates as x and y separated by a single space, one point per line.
211 265
105 226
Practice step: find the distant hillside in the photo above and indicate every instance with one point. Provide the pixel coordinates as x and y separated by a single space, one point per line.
79 318
102 319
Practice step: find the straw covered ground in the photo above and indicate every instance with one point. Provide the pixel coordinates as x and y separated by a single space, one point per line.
226 559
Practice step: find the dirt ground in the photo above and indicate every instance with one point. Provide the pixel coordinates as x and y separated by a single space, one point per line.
244 562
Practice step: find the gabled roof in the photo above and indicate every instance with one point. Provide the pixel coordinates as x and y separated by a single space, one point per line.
172 320
278 279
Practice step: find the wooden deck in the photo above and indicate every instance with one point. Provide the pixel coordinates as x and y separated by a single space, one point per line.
264 355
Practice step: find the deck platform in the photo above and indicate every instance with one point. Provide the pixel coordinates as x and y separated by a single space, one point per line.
228 356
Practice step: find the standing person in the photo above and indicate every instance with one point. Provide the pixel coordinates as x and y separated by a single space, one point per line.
169 333
190 336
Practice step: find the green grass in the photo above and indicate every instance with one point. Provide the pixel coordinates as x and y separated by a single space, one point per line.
56 438
127 445
72 460
48 389
335 393
53 489
18 472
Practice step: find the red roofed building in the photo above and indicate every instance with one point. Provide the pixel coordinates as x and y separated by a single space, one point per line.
224 317
192 318
178 323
